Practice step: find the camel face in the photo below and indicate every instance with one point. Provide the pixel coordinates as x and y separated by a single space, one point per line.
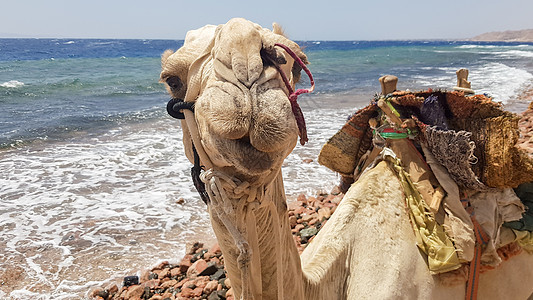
244 116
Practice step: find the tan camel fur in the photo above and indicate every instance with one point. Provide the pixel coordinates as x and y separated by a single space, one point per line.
244 128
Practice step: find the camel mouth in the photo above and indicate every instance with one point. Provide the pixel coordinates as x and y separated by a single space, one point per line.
245 158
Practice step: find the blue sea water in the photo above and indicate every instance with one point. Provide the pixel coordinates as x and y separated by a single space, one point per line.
51 87
93 181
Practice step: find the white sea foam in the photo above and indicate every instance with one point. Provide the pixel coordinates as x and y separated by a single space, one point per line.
515 53
69 43
301 176
12 84
499 80
97 208
444 78
477 46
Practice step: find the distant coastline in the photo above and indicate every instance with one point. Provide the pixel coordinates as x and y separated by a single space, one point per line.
525 35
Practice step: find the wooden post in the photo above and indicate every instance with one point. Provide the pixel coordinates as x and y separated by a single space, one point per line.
462 82
388 84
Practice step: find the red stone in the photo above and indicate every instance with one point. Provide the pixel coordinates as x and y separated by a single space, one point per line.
324 212
307 217
201 281
163 273
175 272
135 292
297 228
210 287
300 210
168 284
292 221
185 263
112 289
215 249
196 268
227 283
151 283
302 198
216 260
97 291
208 255
182 282
161 265
186 292
197 292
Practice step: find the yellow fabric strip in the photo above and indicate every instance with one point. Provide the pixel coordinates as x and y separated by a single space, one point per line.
525 240
430 236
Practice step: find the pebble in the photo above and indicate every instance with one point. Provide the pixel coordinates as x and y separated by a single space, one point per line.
130 280
135 291
210 287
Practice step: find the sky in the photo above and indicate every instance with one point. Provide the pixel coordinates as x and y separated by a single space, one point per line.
302 20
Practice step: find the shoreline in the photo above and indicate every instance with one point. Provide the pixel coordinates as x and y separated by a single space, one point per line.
201 274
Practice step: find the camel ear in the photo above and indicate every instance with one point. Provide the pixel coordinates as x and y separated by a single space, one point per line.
270 38
277 29
175 65
164 57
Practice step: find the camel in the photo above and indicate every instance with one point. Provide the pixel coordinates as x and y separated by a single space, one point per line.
230 85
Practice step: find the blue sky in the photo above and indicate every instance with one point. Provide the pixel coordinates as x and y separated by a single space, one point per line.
302 20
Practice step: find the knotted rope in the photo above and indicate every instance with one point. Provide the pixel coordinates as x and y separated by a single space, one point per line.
235 203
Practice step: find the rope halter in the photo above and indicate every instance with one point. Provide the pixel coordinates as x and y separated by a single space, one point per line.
293 95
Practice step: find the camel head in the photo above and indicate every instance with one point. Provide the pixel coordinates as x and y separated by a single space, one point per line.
243 114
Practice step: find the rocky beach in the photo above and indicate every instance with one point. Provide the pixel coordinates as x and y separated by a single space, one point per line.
201 275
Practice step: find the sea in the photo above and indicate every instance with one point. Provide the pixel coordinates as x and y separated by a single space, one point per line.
94 183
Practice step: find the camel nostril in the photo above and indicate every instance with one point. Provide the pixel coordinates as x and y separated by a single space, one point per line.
174 83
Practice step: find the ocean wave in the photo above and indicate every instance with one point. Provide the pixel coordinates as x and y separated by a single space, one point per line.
477 46
519 53
12 84
499 80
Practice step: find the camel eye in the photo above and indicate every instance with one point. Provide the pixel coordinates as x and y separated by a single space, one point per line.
174 83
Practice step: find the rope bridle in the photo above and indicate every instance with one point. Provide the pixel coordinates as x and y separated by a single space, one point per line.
176 108
293 95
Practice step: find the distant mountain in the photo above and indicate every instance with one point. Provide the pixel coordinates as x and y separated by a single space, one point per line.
525 35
